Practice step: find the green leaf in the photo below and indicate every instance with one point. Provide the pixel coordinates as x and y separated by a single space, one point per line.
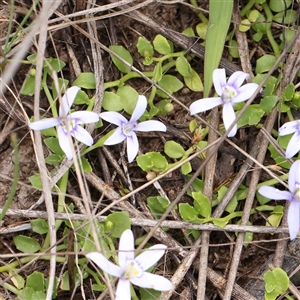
82 98
54 159
170 84
288 92
86 80
17 279
220 13
39 296
183 66
55 63
267 103
194 82
187 212
201 204
29 86
265 63
253 15
276 283
116 223
279 5
39 226
201 29
26 294
173 149
152 161
261 26
157 73
144 47
26 244
245 25
276 216
35 281
36 181
234 49
286 17
186 168
129 97
123 53
87 168
53 144
162 45
149 294
251 116
158 205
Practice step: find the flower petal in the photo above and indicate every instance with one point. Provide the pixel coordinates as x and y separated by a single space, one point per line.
294 177
150 256
126 248
204 104
140 108
63 141
245 92
289 127
153 281
132 147
219 80
123 290
116 138
228 118
82 135
44 124
275 194
67 100
237 79
150 126
104 264
84 117
293 219
293 145
113 117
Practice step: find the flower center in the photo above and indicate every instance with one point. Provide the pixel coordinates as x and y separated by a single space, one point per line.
297 192
228 93
128 127
71 123
132 270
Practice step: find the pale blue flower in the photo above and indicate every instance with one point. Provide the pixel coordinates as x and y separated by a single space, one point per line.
74 120
293 196
132 270
229 93
126 129
294 143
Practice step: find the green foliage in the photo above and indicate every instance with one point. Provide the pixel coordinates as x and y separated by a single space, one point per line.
276 283
162 45
173 149
220 13
116 223
86 80
152 161
26 244
39 226
265 63
279 6
112 102
170 84
149 294
123 53
157 205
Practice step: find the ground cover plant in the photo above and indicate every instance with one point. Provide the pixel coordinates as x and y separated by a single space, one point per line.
146 147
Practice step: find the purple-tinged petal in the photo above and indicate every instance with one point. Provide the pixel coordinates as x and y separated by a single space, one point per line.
84 117
123 290
140 108
104 264
114 118
116 138
132 147
82 135
44 124
275 194
150 256
67 100
205 104
289 127
126 248
228 118
150 126
293 219
153 281
63 141
293 145
237 79
219 80
294 177
245 92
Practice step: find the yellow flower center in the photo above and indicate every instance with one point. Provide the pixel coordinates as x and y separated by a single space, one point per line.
228 94
127 128
297 193
71 123
132 270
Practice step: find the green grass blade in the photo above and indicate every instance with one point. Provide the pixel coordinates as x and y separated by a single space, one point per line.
220 12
